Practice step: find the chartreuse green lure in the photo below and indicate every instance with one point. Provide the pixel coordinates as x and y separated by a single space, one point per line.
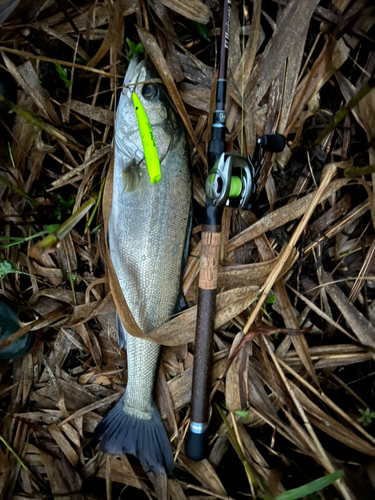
148 141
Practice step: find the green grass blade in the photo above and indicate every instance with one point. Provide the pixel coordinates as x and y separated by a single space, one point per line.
35 482
15 240
18 191
50 241
309 488
345 110
96 205
63 75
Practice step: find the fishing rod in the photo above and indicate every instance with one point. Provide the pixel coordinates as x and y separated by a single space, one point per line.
197 442
232 181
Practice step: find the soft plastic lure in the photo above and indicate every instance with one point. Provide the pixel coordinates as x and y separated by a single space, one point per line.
148 141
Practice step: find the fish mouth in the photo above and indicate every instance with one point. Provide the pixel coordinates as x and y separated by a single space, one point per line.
139 71
130 81
132 73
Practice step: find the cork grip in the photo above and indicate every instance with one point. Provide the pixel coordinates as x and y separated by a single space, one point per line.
210 253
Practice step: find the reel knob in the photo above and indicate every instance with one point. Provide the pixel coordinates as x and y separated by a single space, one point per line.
274 143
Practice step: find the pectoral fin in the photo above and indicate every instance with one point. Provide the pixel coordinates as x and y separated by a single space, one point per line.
121 333
131 177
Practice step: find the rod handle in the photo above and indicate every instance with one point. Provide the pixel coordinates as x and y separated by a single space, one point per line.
197 446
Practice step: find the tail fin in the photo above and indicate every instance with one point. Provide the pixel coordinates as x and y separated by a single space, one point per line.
120 433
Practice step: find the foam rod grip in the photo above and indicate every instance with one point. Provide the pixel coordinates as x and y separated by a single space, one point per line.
274 142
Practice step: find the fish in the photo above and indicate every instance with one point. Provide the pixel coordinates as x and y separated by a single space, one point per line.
148 234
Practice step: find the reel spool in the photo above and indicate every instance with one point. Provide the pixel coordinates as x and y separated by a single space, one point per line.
233 179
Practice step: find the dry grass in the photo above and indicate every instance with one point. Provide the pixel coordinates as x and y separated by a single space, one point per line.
292 401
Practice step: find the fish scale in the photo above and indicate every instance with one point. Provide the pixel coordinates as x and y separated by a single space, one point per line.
142 360
148 233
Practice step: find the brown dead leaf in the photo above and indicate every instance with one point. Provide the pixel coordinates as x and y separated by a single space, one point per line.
26 77
196 96
238 276
263 329
181 329
64 444
362 328
94 113
288 32
237 394
204 473
339 209
63 481
96 158
164 400
281 216
194 9
121 472
180 386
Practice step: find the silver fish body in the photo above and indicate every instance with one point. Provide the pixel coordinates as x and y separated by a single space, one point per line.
148 231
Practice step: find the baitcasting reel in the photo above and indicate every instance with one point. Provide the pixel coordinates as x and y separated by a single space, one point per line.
233 179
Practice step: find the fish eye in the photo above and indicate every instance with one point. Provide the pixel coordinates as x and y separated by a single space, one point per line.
150 90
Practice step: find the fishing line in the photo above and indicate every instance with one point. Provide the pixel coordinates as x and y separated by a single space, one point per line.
167 96
91 21
157 80
128 85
